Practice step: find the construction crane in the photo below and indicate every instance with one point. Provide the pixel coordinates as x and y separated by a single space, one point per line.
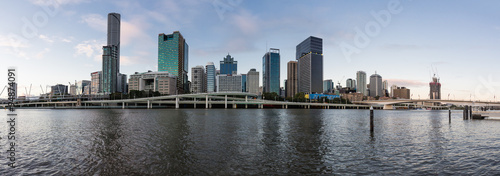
3 90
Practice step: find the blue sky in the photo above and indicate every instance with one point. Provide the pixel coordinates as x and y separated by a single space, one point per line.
459 40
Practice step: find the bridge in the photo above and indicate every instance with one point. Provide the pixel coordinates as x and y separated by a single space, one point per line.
202 100
389 104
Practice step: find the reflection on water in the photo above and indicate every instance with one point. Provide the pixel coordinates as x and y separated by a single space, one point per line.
251 142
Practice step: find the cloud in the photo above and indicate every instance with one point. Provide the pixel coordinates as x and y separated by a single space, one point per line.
406 83
46 38
57 3
246 23
133 31
90 48
95 21
41 54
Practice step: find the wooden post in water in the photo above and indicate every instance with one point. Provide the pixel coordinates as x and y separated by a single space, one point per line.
449 115
470 113
371 119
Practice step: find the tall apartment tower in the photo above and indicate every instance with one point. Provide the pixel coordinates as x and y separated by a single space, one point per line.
435 88
309 54
361 83
253 81
111 80
228 66
210 74
291 83
198 84
376 87
173 57
271 71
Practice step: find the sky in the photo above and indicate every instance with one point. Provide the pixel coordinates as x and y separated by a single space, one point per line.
406 42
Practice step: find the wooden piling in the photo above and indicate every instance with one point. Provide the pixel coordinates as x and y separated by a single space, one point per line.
449 115
371 119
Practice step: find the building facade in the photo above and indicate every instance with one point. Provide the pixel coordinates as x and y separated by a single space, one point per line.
351 84
243 82
210 74
253 81
198 80
173 57
401 93
292 80
376 87
229 83
435 88
95 83
110 67
327 86
59 89
228 66
80 87
163 82
361 83
310 65
271 71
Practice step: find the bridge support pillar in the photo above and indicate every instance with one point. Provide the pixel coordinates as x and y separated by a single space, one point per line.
234 106
286 106
206 101
328 107
194 103
123 105
176 102
149 104
308 106
388 106
225 102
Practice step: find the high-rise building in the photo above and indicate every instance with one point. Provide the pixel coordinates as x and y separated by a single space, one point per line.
351 84
95 85
59 89
210 74
80 86
291 85
271 71
72 89
309 45
401 92
310 65
361 83
327 86
243 82
392 89
163 82
111 79
228 66
435 88
253 81
228 83
173 58
198 79
110 68
376 88
122 83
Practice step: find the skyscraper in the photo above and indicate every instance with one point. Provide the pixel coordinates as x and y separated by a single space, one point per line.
376 88
110 68
198 79
210 74
310 65
173 58
228 66
243 82
351 84
435 88
229 83
271 71
95 85
291 84
114 33
361 83
253 81
327 86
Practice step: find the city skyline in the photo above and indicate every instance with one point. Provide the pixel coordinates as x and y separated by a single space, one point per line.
64 48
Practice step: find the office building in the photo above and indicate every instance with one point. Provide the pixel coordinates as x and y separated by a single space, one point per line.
80 86
110 68
361 83
59 89
351 84
228 66
72 89
401 93
253 81
210 74
327 86
173 57
392 89
376 87
310 65
243 82
292 79
271 71
163 82
229 83
95 82
435 88
198 83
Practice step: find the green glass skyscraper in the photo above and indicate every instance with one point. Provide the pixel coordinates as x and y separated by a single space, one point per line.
173 58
